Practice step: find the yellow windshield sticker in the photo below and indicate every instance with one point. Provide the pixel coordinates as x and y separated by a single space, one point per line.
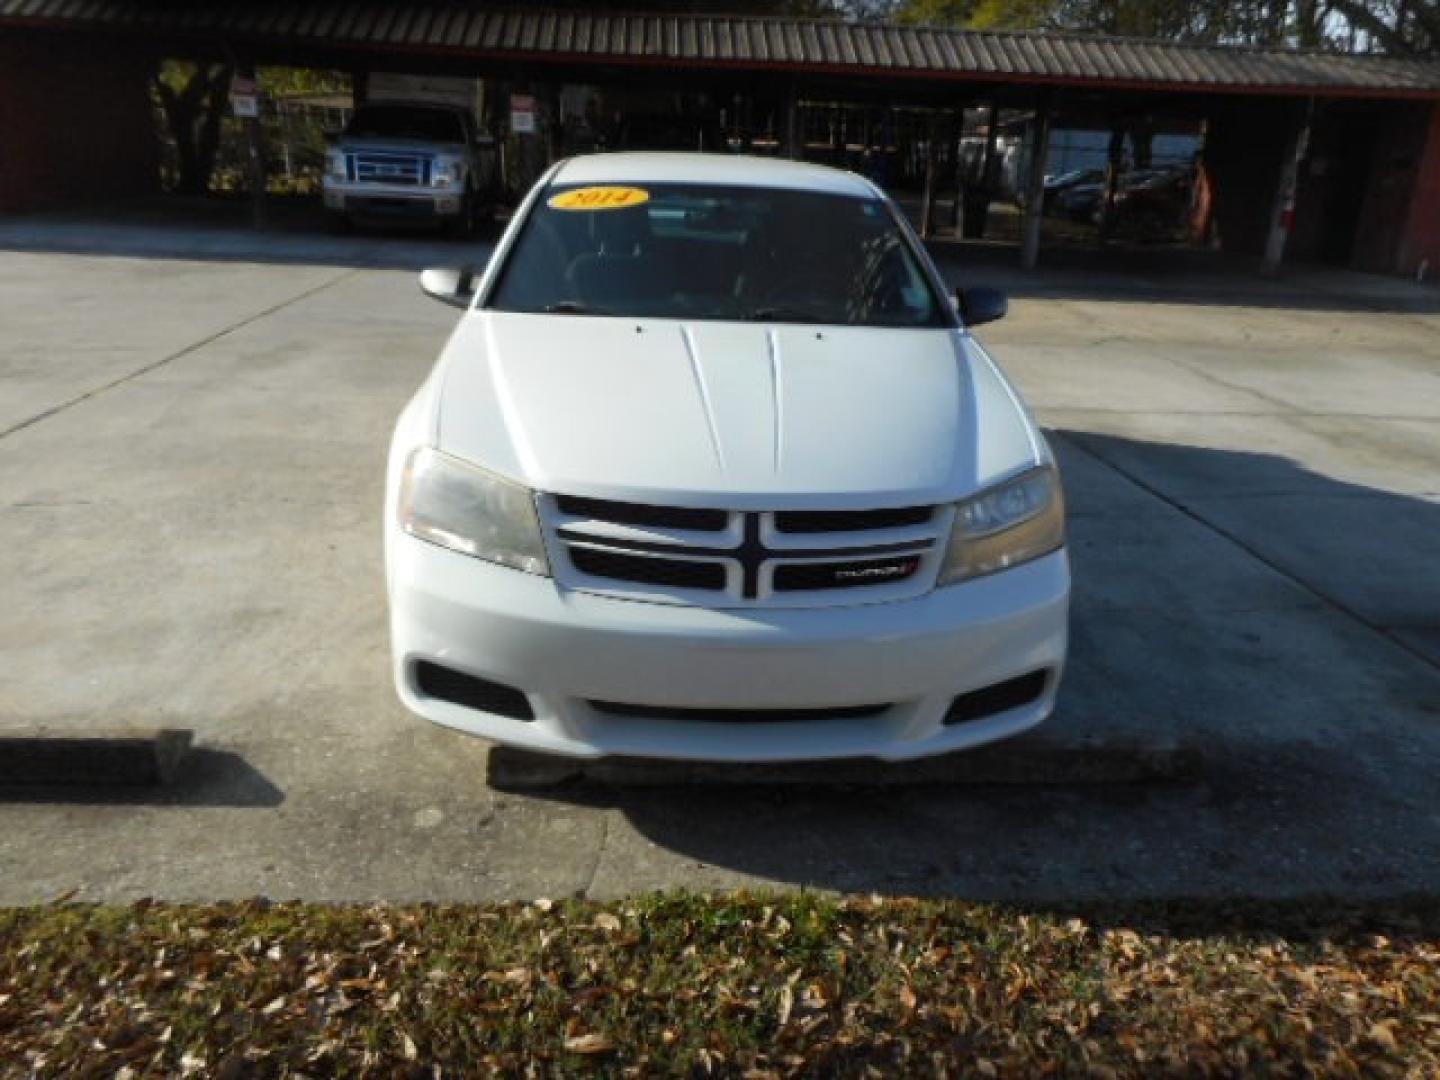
599 198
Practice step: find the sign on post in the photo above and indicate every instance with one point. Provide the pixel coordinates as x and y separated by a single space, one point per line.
522 114
244 97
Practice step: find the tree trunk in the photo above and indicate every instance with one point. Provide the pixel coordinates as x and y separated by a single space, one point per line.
193 115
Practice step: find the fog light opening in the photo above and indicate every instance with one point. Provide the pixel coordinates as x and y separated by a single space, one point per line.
471 691
997 698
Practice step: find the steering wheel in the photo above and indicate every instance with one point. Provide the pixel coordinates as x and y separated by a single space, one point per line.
825 284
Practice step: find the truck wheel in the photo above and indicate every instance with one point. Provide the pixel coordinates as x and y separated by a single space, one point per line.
338 222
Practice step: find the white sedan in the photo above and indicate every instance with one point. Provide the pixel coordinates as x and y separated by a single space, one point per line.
713 469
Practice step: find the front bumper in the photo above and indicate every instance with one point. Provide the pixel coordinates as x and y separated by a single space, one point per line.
566 649
391 200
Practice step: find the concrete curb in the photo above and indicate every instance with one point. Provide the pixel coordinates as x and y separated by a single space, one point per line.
126 757
1036 761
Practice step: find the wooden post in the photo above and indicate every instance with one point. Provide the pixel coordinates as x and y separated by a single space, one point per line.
1282 211
1035 188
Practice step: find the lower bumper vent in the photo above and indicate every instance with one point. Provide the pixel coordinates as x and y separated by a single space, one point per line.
997 698
471 691
735 716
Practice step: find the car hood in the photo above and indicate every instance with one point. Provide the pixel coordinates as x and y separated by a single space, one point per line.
728 414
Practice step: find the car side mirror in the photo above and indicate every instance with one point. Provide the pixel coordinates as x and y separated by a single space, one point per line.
981 305
451 285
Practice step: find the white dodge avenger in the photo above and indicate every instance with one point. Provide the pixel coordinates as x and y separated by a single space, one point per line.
712 468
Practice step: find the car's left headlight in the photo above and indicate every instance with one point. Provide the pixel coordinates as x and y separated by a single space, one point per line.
447 172
466 509
1006 525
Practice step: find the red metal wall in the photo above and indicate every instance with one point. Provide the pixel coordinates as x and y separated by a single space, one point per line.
1394 189
75 122
1420 242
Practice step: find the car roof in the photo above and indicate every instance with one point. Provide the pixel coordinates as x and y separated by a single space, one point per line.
696 168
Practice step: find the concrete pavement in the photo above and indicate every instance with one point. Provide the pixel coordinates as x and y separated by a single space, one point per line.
189 495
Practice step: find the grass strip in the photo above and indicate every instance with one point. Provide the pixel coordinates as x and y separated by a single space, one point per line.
751 985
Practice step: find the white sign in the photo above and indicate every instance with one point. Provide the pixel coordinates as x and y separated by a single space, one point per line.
522 114
244 97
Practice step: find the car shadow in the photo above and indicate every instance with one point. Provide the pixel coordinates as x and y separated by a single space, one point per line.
1309 724
204 778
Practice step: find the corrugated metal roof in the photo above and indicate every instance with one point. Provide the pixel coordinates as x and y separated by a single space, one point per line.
583 37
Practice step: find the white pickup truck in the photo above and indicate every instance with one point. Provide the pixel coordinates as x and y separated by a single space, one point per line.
410 160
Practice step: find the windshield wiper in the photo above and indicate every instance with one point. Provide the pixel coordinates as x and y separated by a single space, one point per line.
783 314
572 307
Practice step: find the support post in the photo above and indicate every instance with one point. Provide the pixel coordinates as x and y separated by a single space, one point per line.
1112 180
790 121
992 138
982 190
957 168
1282 212
255 157
927 198
1035 187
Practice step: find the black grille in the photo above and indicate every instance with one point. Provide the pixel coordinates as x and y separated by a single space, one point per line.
825 521
680 573
794 577
665 517
473 692
996 698
735 716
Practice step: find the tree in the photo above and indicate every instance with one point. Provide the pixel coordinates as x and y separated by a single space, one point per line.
1398 27
194 98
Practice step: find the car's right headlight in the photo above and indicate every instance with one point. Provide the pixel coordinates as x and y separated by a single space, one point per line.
447 172
335 164
466 509
1011 523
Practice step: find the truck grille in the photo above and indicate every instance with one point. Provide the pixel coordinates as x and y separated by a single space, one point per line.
724 558
384 167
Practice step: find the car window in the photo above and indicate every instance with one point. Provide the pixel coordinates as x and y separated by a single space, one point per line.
406 122
717 252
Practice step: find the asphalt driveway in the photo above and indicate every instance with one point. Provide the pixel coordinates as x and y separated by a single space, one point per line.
191 449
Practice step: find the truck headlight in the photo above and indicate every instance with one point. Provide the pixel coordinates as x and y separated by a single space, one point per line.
335 164
447 173
466 509
1006 525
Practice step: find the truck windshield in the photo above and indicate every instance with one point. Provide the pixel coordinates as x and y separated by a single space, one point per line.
733 253
406 122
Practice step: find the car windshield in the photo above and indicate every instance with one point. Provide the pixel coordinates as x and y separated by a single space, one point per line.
406 122
732 253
